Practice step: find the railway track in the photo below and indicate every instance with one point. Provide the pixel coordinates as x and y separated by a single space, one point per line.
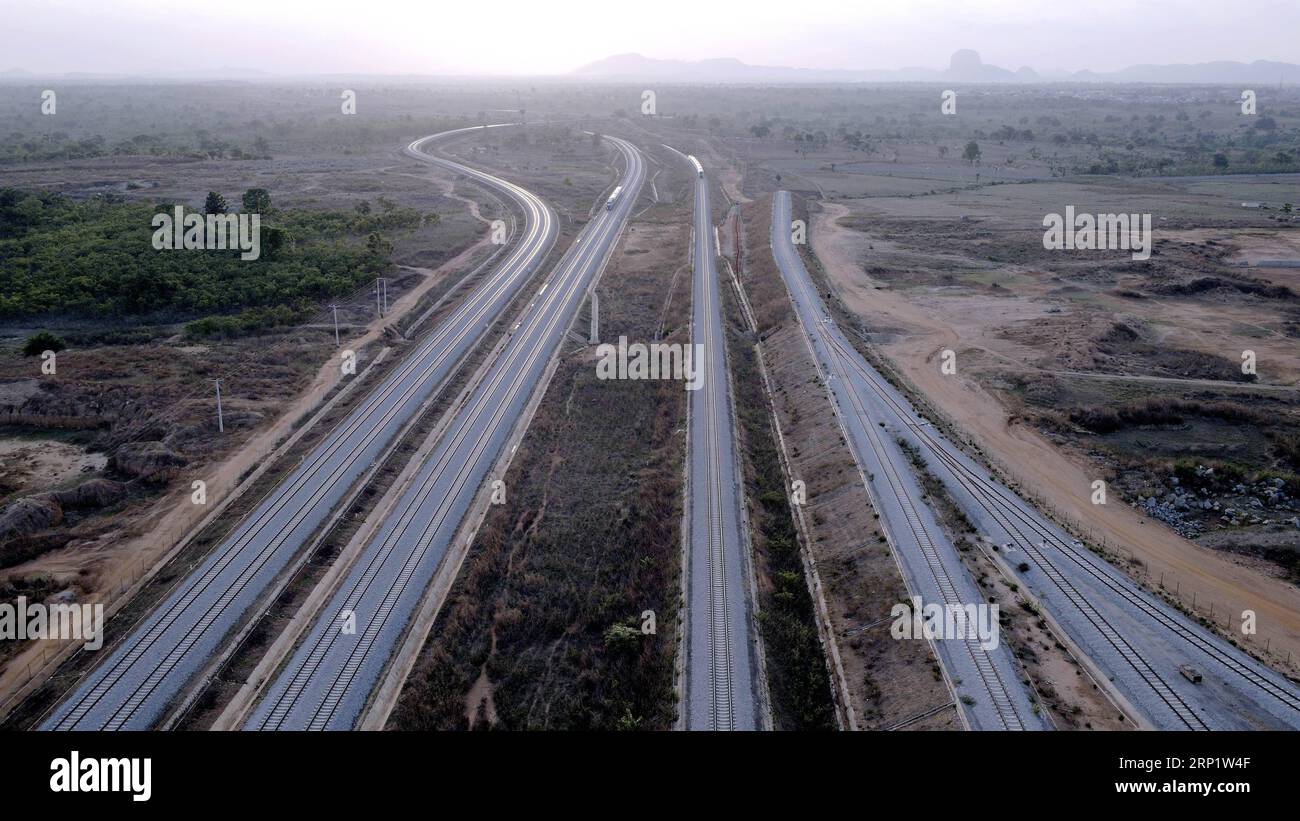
1057 556
722 690
992 681
1157 683
326 682
151 666
994 685
1033 537
991 678
720 661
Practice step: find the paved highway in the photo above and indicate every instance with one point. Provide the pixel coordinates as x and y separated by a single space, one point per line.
327 682
1138 642
720 664
133 687
986 678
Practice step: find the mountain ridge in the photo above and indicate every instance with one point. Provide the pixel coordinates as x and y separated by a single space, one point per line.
964 67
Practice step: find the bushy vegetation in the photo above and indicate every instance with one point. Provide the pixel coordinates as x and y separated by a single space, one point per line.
18 147
249 321
1106 419
797 676
549 604
1287 446
95 259
213 121
1134 131
42 341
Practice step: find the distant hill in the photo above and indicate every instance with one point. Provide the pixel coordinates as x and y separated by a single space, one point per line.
1221 71
964 67
719 70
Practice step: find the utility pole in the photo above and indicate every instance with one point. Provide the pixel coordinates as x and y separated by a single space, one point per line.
336 325
594 338
385 281
221 423
379 311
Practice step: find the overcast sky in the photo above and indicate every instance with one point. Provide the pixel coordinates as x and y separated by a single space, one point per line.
166 37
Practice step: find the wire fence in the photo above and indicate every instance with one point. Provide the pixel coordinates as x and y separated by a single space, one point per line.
1190 598
54 652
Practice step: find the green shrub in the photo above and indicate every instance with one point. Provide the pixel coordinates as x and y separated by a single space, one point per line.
42 341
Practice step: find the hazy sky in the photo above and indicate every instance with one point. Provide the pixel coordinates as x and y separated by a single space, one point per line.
166 37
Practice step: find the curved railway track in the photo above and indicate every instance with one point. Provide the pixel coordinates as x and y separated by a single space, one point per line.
309 691
143 668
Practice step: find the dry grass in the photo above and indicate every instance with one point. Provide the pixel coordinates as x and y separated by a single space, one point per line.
542 628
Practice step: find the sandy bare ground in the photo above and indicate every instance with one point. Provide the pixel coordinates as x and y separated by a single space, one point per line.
447 187
27 465
1253 246
1035 463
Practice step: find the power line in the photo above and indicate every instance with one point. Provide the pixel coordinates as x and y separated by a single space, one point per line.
250 359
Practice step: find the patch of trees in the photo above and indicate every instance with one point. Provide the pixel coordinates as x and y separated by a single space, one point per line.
1007 132
96 259
18 147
